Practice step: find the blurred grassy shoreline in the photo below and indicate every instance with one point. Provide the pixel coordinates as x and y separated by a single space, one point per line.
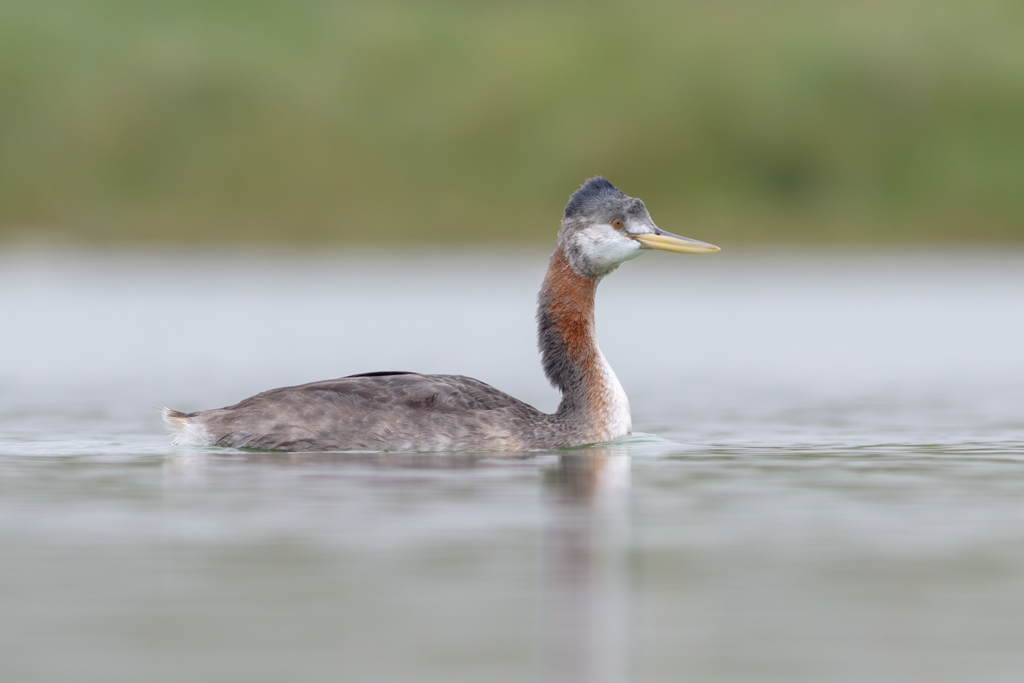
315 124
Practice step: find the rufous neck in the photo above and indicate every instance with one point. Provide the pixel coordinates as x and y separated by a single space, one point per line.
572 359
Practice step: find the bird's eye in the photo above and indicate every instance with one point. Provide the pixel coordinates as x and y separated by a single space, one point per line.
617 224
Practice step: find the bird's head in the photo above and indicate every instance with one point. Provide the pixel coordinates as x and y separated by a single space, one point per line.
603 227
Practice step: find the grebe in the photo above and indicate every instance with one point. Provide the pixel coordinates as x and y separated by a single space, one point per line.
406 411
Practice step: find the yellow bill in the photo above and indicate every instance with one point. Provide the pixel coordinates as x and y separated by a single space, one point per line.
666 241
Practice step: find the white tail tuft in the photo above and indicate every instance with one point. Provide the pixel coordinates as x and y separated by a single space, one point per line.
186 432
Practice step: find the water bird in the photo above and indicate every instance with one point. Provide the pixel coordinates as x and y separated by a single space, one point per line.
406 411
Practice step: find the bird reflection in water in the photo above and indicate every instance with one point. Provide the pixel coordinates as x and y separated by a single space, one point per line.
586 590
586 566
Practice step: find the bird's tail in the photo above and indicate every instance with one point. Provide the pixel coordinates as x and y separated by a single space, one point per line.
177 422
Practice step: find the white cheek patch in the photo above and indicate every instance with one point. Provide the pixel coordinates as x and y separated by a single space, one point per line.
605 247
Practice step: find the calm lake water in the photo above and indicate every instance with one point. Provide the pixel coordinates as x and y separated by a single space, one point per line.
826 483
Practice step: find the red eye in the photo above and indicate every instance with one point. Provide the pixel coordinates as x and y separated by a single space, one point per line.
617 224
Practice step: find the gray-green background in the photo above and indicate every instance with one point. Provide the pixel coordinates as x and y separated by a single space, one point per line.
194 123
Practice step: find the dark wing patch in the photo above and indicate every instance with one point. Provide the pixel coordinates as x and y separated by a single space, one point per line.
382 373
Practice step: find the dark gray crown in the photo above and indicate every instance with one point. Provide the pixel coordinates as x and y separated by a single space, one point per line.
595 195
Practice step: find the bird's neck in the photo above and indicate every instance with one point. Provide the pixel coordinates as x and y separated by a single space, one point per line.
592 397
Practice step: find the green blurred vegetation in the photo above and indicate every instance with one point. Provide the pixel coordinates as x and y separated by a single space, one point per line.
214 122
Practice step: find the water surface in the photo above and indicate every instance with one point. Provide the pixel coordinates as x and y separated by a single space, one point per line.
826 481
